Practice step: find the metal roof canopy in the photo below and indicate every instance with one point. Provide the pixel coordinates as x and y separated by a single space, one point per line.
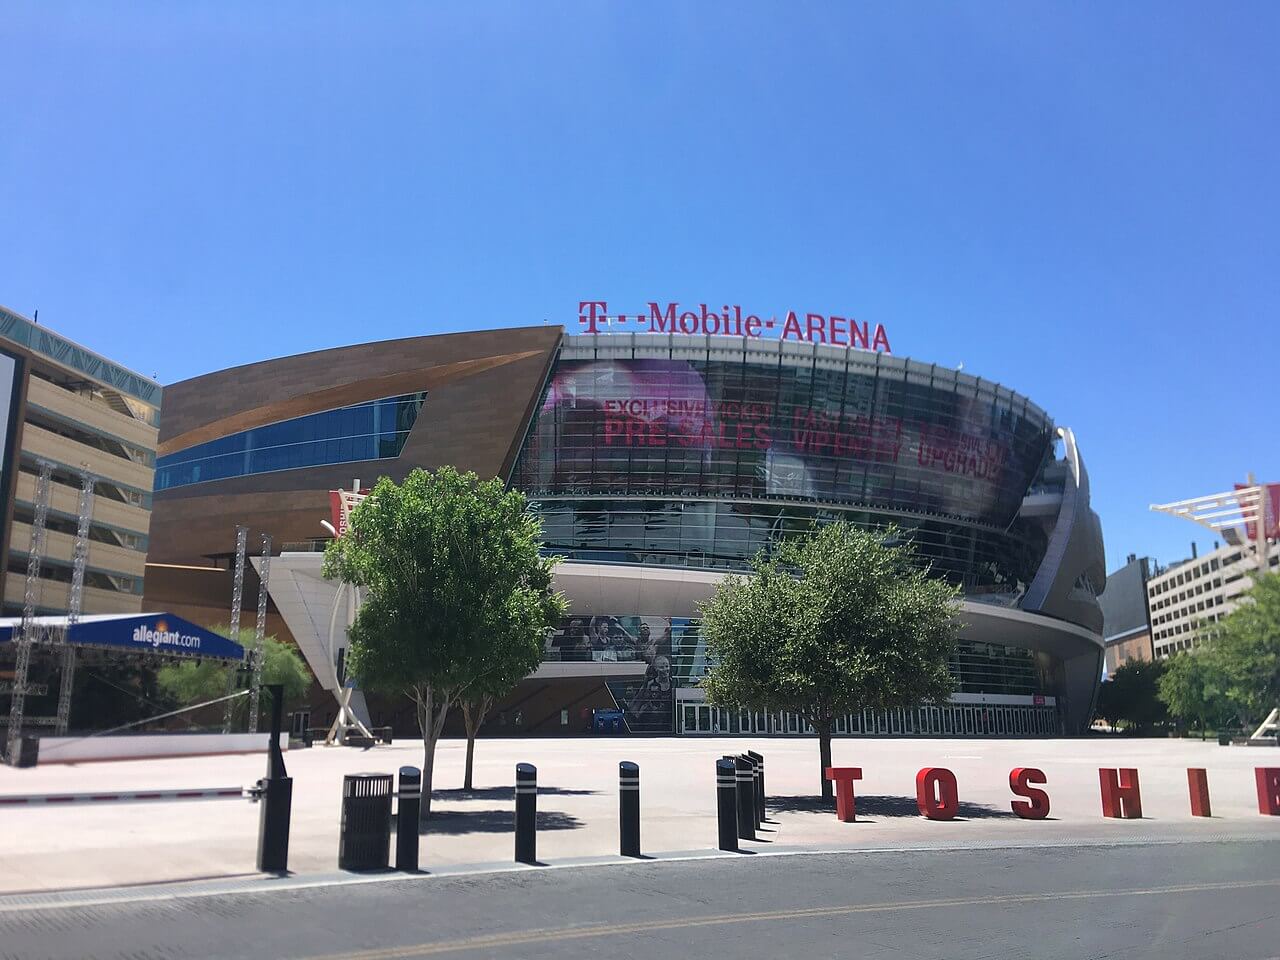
161 634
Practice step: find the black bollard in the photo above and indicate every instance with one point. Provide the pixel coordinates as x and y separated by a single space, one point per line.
628 809
275 793
761 816
526 813
755 789
727 803
746 799
407 812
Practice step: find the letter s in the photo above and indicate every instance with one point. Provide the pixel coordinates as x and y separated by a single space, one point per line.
1038 808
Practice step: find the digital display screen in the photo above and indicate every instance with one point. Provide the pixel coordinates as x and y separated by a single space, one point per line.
732 429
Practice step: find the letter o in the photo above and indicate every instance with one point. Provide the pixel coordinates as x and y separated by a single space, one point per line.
937 795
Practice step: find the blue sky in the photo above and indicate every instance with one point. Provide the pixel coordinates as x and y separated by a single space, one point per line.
1079 200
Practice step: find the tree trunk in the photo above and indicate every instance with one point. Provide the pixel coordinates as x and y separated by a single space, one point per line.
433 707
824 756
473 714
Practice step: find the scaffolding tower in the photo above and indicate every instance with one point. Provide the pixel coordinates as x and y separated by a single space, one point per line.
27 635
237 597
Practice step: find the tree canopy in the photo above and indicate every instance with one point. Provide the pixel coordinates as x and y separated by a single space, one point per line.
190 682
457 595
1244 651
835 621
1191 688
1233 673
1131 695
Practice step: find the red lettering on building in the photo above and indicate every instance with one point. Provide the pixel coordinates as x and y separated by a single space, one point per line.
858 334
662 321
791 327
596 310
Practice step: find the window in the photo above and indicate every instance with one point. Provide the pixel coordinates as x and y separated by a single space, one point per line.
374 430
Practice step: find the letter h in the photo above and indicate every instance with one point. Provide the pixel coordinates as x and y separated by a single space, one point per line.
1121 797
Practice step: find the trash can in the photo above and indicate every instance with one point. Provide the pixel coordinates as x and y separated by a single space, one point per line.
28 752
1224 739
364 841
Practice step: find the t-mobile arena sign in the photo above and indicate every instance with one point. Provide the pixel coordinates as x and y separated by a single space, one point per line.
731 321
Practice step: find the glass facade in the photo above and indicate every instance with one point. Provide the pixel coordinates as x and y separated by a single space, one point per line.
668 654
703 456
374 430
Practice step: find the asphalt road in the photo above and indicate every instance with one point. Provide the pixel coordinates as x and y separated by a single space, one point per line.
1187 900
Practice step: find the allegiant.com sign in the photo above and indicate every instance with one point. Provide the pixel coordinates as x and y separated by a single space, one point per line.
731 321
162 636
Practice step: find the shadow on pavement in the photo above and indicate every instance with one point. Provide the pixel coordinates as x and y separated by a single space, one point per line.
880 806
454 822
504 793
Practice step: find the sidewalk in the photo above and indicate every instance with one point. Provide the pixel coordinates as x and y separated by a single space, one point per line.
51 848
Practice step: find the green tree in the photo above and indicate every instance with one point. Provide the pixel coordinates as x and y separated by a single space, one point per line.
1131 695
1108 705
1244 648
834 621
1192 689
457 592
509 655
190 682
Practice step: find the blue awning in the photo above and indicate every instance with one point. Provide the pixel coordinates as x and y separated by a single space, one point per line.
141 633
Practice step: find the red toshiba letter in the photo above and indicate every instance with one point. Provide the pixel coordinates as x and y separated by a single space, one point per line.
1268 790
1198 784
936 793
1038 806
1120 795
844 777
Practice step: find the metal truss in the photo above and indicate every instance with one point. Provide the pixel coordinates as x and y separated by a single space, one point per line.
28 631
1230 510
80 555
260 631
237 596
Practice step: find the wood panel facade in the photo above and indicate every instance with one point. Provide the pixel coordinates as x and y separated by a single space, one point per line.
482 390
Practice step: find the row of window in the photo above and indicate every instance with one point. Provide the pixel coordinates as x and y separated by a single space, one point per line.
374 430
1189 594
1200 606
675 655
726 535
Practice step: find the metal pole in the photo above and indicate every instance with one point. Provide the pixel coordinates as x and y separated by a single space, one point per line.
628 809
761 814
726 803
276 791
755 789
407 819
526 813
27 637
80 557
237 595
260 631
746 798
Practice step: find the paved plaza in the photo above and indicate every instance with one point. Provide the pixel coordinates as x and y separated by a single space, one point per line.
93 845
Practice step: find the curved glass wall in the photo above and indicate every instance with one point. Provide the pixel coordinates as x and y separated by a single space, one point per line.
668 653
374 430
707 454
727 535
905 438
